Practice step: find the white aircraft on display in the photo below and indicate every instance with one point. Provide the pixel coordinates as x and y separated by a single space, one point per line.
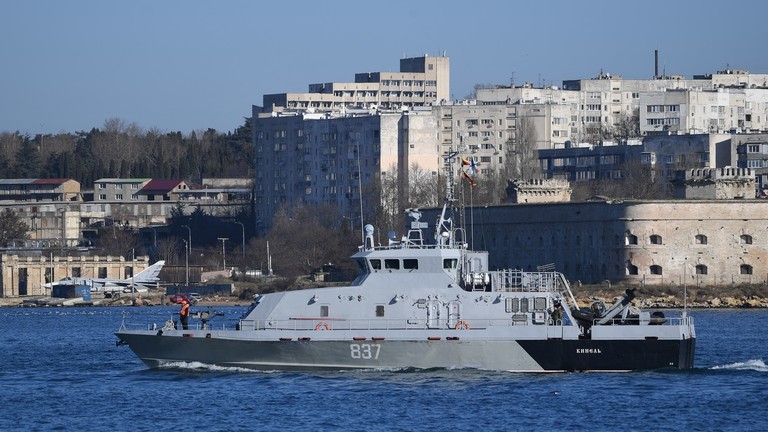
138 283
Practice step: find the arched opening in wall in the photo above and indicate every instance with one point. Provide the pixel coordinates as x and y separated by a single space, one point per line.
746 239
631 270
745 269
701 239
701 269
630 239
656 269
655 239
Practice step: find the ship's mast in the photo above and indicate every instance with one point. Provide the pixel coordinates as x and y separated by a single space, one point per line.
444 228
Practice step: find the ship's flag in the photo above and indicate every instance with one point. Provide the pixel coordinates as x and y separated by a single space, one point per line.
468 170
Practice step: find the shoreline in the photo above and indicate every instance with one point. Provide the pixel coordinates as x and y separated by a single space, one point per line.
584 297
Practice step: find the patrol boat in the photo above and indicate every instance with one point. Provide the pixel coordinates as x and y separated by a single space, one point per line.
436 305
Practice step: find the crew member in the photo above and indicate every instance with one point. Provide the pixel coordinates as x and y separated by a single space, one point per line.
184 314
557 314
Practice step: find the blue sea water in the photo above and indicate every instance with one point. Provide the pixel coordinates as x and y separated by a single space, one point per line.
60 370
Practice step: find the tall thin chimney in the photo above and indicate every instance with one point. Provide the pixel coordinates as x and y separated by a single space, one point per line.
656 64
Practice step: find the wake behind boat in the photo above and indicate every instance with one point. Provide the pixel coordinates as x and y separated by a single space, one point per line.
419 305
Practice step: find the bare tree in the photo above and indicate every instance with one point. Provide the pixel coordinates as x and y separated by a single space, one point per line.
422 188
116 241
627 126
525 159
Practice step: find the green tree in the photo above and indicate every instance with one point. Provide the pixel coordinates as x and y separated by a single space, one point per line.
27 160
11 227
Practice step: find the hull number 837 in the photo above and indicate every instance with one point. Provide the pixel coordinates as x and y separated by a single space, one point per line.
364 351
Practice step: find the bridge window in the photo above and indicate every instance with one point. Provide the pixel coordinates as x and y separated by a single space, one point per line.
392 264
450 263
376 264
512 305
410 264
745 269
701 239
656 270
655 239
524 305
701 269
746 239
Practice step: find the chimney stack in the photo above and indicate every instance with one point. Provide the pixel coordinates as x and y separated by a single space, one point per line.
656 64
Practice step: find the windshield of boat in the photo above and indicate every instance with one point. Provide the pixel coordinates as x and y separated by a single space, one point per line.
363 270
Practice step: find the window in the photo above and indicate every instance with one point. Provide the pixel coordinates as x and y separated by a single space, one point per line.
76 272
102 272
631 239
450 263
631 270
324 310
702 240
102 185
656 269
745 269
102 197
524 305
379 310
410 264
753 148
119 196
701 269
655 239
392 264
746 239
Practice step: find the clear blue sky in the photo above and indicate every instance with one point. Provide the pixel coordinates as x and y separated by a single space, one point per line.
184 65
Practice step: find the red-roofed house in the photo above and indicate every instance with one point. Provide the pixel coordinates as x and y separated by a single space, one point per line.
162 190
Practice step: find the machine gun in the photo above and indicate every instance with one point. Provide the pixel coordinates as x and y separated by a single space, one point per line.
205 316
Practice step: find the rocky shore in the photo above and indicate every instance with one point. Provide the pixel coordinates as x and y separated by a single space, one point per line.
646 298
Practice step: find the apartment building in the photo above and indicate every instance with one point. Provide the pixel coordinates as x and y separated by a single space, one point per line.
421 81
118 189
35 190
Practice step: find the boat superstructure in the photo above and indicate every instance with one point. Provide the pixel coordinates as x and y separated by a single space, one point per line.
420 304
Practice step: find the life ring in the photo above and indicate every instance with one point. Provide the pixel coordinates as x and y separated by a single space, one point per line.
322 326
462 325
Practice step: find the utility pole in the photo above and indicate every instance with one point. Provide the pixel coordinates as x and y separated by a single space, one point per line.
223 252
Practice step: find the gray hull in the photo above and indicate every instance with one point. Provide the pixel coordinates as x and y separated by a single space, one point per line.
506 355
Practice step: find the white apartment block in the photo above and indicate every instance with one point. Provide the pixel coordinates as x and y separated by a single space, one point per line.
421 81
696 111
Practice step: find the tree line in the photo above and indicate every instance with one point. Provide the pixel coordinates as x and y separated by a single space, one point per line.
124 150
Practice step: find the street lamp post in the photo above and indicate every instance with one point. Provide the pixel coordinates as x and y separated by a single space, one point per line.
186 261
223 252
189 236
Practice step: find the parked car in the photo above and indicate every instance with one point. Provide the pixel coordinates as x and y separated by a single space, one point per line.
177 298
195 297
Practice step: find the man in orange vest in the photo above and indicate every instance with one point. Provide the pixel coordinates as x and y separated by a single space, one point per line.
184 314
